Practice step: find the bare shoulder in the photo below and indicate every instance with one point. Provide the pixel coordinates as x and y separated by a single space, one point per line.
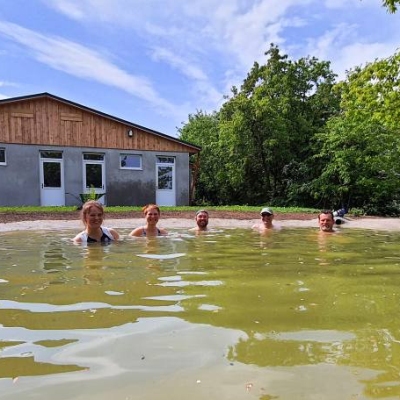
137 231
78 237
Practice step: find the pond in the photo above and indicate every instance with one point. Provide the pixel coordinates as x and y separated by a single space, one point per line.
226 315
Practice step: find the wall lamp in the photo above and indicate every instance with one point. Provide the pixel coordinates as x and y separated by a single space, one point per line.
130 133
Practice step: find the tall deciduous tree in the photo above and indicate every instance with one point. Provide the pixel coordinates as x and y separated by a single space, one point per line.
202 129
361 147
267 127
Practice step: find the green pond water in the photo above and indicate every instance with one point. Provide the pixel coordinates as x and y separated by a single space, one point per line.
226 315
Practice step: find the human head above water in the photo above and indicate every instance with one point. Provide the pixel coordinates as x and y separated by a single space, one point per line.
267 216
149 207
326 212
202 219
88 206
266 211
326 220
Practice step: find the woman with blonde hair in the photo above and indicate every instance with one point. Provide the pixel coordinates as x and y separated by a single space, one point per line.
92 215
152 215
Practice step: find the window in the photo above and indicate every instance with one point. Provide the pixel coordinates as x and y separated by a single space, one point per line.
165 160
93 156
51 154
2 156
130 161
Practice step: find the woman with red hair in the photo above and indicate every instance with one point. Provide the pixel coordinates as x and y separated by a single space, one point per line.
152 215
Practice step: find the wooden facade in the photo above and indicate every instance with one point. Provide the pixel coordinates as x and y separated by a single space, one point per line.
48 120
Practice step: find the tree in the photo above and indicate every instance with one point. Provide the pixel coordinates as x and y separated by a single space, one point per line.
267 127
391 5
362 145
202 129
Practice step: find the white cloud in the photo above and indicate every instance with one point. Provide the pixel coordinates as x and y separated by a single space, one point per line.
242 29
207 46
178 63
200 87
346 4
82 62
343 46
5 83
327 45
68 8
175 33
358 54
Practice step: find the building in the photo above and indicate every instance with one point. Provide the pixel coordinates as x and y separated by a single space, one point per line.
52 151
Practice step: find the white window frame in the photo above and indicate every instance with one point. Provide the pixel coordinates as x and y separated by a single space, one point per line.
140 168
165 160
93 157
5 156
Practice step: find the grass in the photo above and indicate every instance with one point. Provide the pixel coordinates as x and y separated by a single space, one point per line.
112 209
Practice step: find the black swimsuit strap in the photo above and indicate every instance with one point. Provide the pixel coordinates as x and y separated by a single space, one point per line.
104 238
145 234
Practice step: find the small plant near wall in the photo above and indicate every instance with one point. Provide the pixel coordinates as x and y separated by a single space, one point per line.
92 195
84 197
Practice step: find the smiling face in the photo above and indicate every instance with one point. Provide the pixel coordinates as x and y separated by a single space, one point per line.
202 220
266 219
326 222
152 215
92 214
94 217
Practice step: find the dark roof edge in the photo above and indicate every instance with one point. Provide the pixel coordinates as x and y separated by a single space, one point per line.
92 110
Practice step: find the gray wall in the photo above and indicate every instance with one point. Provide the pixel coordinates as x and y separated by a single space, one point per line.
20 179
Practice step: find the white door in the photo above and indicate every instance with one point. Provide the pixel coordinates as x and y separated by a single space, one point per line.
165 179
51 179
94 175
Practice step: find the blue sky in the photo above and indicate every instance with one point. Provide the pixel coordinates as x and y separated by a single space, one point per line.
153 62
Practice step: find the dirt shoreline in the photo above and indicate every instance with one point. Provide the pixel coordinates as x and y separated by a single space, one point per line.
75 215
182 220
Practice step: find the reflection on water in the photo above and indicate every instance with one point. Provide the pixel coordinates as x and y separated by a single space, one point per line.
289 315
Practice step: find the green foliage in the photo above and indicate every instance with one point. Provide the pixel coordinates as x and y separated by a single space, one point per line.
253 149
372 92
391 5
203 130
291 136
91 195
360 148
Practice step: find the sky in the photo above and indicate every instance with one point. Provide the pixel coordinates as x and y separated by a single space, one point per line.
155 62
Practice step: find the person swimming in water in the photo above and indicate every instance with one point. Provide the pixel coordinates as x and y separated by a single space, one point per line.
92 215
201 219
266 223
326 221
152 215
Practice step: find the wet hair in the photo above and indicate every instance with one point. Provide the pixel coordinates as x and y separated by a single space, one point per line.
148 207
87 206
328 212
202 212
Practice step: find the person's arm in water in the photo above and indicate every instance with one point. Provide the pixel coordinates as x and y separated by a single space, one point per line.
114 233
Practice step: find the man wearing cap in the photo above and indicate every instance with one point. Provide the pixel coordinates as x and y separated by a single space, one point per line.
201 221
267 215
